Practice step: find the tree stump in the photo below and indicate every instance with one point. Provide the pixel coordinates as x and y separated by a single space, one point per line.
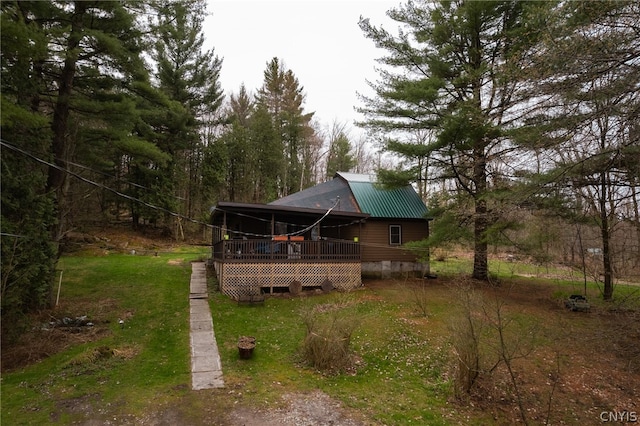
246 345
327 285
295 288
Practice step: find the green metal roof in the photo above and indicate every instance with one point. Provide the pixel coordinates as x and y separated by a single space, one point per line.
401 203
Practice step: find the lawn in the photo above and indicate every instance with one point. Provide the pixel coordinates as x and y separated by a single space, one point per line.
403 366
106 365
398 362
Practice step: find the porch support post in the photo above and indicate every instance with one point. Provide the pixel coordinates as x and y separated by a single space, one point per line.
359 240
273 245
224 232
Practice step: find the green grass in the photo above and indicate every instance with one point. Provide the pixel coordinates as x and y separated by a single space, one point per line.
142 361
503 269
401 375
568 280
399 378
134 369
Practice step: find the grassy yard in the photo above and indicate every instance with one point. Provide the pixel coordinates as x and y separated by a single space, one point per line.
117 369
402 369
399 372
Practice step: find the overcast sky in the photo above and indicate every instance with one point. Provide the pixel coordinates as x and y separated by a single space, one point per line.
320 41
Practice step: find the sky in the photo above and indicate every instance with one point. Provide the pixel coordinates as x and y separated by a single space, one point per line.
319 41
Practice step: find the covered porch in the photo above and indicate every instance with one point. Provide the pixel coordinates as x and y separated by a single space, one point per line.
260 249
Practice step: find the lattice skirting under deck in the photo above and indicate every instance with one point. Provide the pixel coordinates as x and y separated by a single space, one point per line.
241 279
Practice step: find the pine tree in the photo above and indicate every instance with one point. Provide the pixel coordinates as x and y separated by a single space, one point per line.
71 76
283 98
241 106
269 154
241 155
587 81
189 76
453 81
28 256
92 109
339 157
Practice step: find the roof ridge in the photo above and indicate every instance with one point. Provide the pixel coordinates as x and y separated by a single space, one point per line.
357 177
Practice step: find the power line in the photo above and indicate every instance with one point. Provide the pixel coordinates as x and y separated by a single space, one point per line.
136 185
302 231
149 205
116 178
99 185
317 221
6 234
169 212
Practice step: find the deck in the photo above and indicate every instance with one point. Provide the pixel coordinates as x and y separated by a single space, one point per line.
290 250
257 266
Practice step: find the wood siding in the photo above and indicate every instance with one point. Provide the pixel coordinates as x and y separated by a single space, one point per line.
374 239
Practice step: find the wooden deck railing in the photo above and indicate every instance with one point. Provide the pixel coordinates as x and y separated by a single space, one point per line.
263 250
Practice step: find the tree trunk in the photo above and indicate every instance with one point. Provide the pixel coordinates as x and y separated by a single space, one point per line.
636 215
60 144
604 232
480 262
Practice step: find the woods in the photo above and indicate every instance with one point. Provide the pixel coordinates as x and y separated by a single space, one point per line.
514 111
514 119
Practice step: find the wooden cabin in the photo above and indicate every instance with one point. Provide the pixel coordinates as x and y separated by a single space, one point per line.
327 236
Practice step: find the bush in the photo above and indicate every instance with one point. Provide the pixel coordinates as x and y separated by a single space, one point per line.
420 297
465 330
328 337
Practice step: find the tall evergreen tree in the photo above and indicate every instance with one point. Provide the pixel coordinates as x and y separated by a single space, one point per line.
27 254
587 80
268 147
241 106
70 73
190 76
97 57
454 63
283 98
88 79
254 152
242 151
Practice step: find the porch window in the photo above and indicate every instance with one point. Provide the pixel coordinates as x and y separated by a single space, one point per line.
395 235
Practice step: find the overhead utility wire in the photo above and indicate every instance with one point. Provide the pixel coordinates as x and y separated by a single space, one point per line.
317 221
99 185
353 222
6 234
119 179
302 231
152 206
137 185
174 214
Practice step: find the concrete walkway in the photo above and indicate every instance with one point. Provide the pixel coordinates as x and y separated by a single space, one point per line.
206 369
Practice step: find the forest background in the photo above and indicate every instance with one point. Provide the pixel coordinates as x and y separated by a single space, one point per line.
517 122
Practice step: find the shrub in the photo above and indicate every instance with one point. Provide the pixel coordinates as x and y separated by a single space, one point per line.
328 337
420 297
465 330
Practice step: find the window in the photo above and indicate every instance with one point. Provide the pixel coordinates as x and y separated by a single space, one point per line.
395 234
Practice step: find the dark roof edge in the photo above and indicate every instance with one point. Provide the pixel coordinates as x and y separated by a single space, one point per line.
281 208
399 219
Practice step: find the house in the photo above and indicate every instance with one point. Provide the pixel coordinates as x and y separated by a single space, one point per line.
326 236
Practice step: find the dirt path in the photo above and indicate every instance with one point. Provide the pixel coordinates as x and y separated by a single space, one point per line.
314 409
